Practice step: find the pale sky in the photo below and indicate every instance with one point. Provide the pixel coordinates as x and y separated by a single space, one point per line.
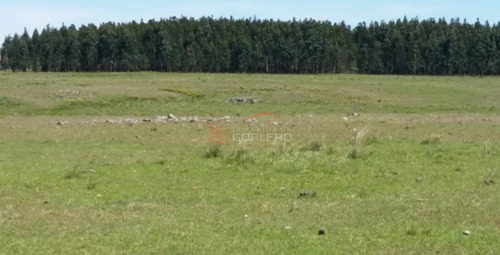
15 15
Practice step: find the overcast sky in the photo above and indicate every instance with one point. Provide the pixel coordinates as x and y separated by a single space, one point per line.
15 15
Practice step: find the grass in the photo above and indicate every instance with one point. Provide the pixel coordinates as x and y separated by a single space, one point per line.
207 94
164 189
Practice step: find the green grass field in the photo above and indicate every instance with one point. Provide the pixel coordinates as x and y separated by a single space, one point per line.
70 183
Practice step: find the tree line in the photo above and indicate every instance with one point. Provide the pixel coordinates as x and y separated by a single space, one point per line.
432 47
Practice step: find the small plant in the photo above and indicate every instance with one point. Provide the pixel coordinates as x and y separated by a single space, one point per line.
75 101
73 173
91 184
160 162
282 149
358 150
434 139
238 156
371 139
188 92
213 151
192 93
138 98
355 154
77 173
4 101
315 146
331 151
312 146
411 232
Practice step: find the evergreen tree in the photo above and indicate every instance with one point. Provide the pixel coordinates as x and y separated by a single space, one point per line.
88 48
18 53
35 51
71 49
4 53
403 46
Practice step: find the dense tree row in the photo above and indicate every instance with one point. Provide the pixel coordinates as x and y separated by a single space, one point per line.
264 46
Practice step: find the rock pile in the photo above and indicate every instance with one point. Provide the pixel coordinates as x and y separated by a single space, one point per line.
170 118
69 94
240 100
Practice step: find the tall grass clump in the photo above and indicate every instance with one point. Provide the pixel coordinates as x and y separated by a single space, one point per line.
213 151
283 150
312 146
358 149
238 156
433 139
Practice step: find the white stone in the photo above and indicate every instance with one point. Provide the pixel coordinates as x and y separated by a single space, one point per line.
172 117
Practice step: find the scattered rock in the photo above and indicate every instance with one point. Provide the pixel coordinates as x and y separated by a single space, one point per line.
466 232
237 100
255 101
158 119
489 182
70 94
419 179
288 227
161 119
130 122
241 100
282 189
322 231
88 171
307 193
172 117
60 123
356 114
225 119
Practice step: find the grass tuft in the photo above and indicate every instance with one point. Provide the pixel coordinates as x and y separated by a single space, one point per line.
213 151
314 146
283 150
434 139
187 92
238 156
356 154
73 174
358 147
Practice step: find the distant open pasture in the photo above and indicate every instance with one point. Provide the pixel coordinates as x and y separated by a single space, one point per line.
93 164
